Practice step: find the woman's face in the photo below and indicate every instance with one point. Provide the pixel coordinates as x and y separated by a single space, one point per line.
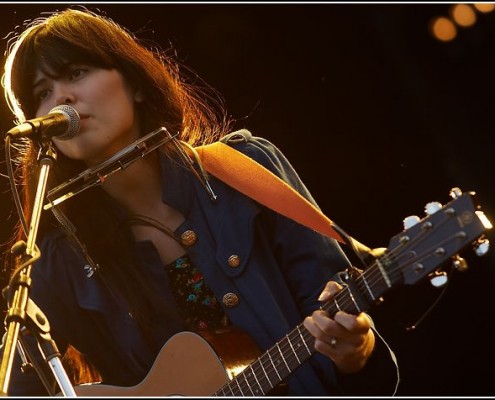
105 103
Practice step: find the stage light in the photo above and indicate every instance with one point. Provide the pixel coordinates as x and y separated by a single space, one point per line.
484 7
443 29
463 15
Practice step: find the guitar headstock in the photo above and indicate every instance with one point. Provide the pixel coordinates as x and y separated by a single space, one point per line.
426 244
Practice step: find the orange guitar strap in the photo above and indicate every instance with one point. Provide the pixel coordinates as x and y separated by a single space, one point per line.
252 179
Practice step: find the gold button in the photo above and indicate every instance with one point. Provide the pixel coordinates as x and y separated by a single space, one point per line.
230 300
234 261
188 238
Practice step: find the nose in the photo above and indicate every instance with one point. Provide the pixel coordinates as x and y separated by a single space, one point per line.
63 94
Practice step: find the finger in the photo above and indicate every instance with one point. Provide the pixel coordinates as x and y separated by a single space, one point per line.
353 323
333 340
348 328
334 351
330 290
322 327
323 341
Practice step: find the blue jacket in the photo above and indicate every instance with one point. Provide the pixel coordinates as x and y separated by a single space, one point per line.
281 268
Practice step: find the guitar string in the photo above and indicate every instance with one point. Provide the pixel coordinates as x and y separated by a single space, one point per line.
264 371
307 336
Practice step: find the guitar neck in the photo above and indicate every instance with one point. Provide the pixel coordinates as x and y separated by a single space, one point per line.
273 366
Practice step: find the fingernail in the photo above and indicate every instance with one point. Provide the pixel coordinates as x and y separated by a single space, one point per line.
323 296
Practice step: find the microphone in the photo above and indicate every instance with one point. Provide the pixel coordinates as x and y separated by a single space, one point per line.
62 121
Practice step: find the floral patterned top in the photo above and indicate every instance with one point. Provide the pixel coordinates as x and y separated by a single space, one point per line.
196 303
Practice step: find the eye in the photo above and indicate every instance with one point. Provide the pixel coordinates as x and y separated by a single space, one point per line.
77 72
41 94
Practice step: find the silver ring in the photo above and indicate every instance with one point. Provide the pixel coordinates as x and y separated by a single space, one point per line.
333 342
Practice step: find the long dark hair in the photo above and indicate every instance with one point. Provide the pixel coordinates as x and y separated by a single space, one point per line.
169 100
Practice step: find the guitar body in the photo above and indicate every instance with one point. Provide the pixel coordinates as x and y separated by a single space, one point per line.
188 364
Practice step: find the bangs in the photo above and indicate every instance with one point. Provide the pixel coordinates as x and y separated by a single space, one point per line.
52 54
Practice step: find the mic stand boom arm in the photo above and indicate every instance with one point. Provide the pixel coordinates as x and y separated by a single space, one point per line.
98 174
22 310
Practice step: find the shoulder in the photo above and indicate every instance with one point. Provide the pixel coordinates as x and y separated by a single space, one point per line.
259 149
243 140
267 154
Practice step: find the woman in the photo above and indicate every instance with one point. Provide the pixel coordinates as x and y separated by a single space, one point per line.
158 255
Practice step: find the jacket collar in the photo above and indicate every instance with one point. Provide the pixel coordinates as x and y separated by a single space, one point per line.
177 183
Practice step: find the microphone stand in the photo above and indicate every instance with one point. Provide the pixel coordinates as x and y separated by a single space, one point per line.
23 312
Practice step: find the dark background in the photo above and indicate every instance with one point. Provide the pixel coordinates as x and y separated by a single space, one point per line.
377 116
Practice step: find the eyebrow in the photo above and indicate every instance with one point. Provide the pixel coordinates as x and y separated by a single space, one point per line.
42 80
37 83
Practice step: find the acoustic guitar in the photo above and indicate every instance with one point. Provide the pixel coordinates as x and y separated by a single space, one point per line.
191 364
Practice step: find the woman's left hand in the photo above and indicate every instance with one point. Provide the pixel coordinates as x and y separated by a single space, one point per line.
346 339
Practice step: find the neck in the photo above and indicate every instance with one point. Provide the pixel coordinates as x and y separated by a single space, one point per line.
137 188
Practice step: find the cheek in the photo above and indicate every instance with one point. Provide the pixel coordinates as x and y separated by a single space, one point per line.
116 104
120 119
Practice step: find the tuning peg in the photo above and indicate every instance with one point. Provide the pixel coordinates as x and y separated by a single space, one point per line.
481 247
410 221
438 278
460 263
455 193
432 207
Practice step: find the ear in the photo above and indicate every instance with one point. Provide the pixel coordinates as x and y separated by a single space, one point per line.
138 96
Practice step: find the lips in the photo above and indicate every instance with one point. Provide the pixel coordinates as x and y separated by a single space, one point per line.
82 122
83 118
